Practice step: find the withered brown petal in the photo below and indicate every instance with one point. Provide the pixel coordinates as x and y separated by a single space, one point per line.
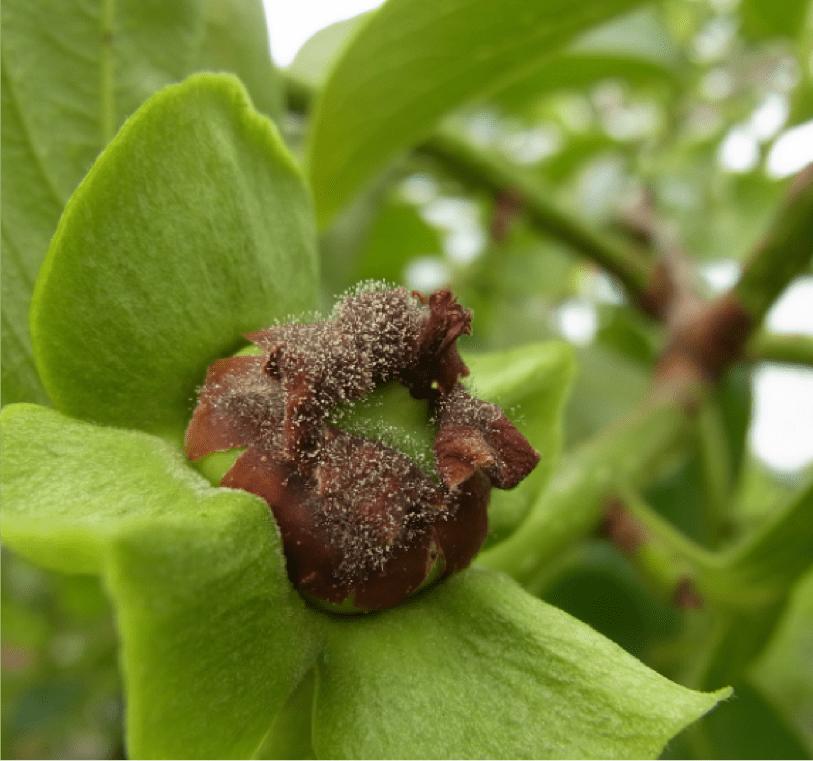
267 338
436 357
517 458
460 450
476 435
226 416
317 366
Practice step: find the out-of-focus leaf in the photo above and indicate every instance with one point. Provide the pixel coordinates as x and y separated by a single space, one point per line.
341 244
637 48
719 220
627 332
547 686
398 235
801 103
235 39
734 399
317 55
599 587
72 72
61 694
784 672
415 60
763 18
678 495
193 227
578 150
768 562
607 385
747 727
759 491
511 288
213 635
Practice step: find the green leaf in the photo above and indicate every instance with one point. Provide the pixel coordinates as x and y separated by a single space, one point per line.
764 19
784 672
290 734
314 59
193 227
531 384
235 38
762 568
213 635
415 60
636 47
748 727
398 235
595 403
477 668
65 94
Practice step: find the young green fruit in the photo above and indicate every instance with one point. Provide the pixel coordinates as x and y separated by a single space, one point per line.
363 526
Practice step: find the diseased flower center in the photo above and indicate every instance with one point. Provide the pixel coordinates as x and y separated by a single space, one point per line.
361 523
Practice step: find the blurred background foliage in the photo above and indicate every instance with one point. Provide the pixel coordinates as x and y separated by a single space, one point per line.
669 119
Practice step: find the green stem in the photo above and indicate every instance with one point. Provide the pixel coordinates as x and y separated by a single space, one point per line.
728 643
784 253
695 558
715 468
573 503
746 587
783 349
762 568
480 169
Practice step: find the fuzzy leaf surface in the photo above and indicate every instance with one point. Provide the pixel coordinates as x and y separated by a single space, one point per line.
546 685
213 635
193 227
72 72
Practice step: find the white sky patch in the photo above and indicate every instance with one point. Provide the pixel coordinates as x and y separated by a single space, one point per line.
720 275
599 287
739 151
769 116
464 238
782 429
532 145
464 245
426 273
419 189
793 313
792 151
577 321
291 24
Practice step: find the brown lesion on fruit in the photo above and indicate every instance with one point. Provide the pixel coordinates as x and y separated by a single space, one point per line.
359 519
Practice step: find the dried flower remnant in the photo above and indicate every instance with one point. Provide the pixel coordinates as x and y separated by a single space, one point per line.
362 525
